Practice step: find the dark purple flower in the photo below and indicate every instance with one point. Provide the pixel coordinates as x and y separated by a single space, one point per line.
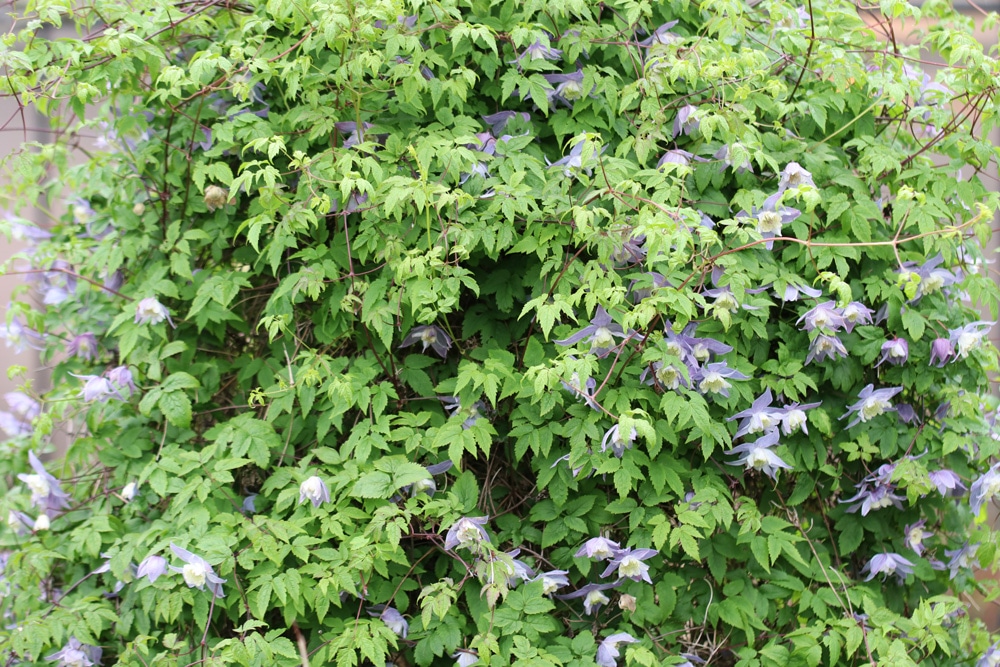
941 351
658 281
886 564
152 567
46 492
600 334
873 402
629 564
823 347
467 532
354 135
757 455
895 351
607 650
429 335
906 413
197 572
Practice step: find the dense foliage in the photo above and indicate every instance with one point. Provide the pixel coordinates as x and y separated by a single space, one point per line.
530 333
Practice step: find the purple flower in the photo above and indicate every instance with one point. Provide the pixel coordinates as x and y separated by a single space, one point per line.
873 403
498 121
354 135
886 564
688 347
392 619
552 581
915 535
573 161
600 548
683 122
45 489
315 491
83 346
932 277
713 379
855 313
583 391
970 337
794 176
607 650
757 455
895 351
824 316
538 51
678 156
792 292
661 36
629 564
759 417
16 335
961 559
593 596
152 567
467 532
664 375
465 657
991 658
770 218
794 417
249 505
24 410
521 571
355 202
906 413
122 377
197 572
873 498
151 311
725 154
600 334
947 483
825 347
75 654
429 335
96 388
568 88
941 351
985 488
472 414
618 444
630 252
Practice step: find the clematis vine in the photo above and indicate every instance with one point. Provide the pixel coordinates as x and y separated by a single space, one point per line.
617 443
629 564
793 176
600 334
552 581
969 337
465 657
895 351
757 455
942 350
886 564
467 532
873 402
914 536
392 619
46 492
947 483
855 313
759 417
593 596
197 572
600 548
429 335
823 347
538 51
97 388
714 378
794 417
83 346
770 218
961 559
824 316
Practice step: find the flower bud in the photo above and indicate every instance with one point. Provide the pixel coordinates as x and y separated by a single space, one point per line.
215 197
626 602
139 208
42 522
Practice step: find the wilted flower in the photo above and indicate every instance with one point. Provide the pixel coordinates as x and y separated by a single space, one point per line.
152 567
315 491
552 581
76 654
886 564
607 650
629 564
593 596
97 388
215 197
197 572
895 351
618 443
947 483
466 532
873 403
429 335
914 536
151 311
45 489
942 351
757 455
600 334
600 548
713 378
83 346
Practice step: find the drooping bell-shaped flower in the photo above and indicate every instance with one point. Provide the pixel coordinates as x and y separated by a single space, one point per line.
466 532
197 572
873 402
600 334
315 491
429 335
